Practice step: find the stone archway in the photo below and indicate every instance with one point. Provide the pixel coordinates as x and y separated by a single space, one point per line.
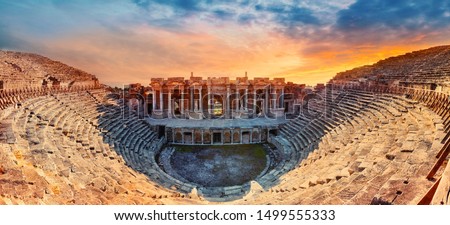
246 137
188 137
178 137
217 138
207 137
227 137
198 137
236 137
255 136
217 106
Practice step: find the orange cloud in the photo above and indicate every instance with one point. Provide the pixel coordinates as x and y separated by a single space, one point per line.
138 54
321 66
149 52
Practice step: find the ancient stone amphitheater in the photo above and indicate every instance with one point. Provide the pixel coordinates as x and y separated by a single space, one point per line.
383 139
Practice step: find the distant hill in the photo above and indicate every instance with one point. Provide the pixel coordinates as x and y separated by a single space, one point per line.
425 66
19 70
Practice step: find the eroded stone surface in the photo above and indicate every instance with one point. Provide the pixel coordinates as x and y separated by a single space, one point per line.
71 148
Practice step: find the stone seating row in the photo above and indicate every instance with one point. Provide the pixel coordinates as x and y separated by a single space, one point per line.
66 152
363 161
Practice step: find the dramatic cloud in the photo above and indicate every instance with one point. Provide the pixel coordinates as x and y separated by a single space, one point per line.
304 41
404 15
381 21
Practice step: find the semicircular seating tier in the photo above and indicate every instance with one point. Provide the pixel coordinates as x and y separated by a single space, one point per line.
359 144
82 147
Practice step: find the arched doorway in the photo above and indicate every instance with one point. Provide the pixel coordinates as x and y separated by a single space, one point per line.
217 108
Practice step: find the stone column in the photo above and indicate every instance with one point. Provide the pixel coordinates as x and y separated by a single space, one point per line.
282 98
227 112
154 100
237 99
169 104
182 101
254 101
266 101
200 100
274 100
209 102
240 136
246 99
191 102
161 101
202 136
224 105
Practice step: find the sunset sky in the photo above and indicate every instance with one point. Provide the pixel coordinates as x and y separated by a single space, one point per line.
127 41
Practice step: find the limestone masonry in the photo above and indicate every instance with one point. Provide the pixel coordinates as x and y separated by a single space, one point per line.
377 134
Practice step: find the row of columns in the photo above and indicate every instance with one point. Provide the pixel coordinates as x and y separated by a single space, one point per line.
196 104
